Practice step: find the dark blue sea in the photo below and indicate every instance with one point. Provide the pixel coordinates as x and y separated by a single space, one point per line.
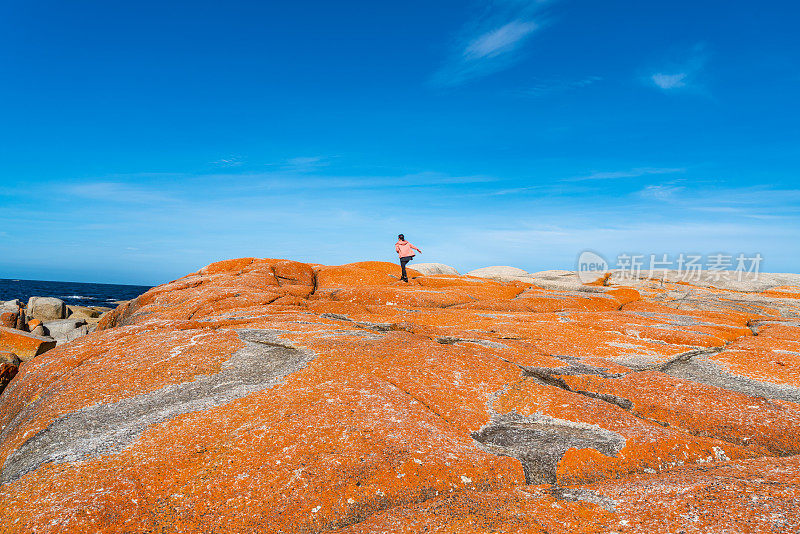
73 293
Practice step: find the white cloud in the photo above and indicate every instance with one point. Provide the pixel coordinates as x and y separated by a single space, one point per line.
230 161
491 42
116 192
660 192
501 40
306 164
669 81
558 186
549 87
682 72
631 173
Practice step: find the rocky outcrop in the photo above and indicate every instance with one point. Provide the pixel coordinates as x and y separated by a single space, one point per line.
261 395
498 272
9 366
65 330
434 268
557 279
9 306
12 315
9 319
31 330
46 308
725 280
26 345
90 314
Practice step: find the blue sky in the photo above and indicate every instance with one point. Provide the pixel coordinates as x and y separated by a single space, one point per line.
142 140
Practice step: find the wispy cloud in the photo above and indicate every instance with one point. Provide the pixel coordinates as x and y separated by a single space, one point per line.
761 202
556 187
755 202
306 163
660 192
491 42
683 73
275 181
549 87
630 173
114 192
670 81
245 186
502 40
517 190
229 161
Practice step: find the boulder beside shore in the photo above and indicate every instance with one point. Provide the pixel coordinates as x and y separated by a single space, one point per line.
24 344
29 330
46 308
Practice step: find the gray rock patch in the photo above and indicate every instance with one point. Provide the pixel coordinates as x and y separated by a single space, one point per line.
706 372
539 442
434 268
108 428
498 272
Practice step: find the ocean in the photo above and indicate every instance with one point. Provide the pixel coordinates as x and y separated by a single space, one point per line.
73 293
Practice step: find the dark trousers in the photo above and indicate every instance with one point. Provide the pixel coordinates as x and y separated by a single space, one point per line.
403 261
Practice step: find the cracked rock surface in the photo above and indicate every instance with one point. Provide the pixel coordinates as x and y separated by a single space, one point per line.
266 395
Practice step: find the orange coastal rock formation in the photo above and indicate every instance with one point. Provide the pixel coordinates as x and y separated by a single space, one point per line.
266 395
25 344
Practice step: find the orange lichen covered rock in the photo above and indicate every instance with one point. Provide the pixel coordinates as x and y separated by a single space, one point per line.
773 356
9 319
267 395
9 366
24 344
750 421
758 495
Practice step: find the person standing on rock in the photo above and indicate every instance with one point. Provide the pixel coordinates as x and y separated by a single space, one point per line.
404 249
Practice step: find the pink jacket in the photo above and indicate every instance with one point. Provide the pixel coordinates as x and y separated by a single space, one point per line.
403 248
